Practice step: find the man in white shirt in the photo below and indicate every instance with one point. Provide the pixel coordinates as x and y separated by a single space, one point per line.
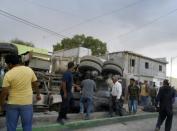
116 93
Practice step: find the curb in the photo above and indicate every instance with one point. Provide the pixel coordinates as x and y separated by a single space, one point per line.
92 123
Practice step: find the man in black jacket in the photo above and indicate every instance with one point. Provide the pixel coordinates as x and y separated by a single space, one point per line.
165 99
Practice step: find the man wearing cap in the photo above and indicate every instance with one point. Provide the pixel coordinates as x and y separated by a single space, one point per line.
116 93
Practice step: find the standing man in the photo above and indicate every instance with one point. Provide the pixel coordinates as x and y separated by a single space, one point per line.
110 84
165 98
88 87
144 93
153 94
17 90
133 96
66 93
116 93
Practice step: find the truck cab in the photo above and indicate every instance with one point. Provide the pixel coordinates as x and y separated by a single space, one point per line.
5 49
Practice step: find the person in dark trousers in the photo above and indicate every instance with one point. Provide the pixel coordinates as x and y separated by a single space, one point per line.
66 93
133 96
116 93
153 94
88 87
165 98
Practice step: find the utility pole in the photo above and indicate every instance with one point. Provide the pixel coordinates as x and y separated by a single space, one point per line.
171 68
171 62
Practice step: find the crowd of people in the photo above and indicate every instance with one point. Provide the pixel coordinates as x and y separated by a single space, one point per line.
142 94
18 90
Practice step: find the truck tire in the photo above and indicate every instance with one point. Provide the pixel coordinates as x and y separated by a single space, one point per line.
113 63
89 66
92 59
8 48
90 63
112 67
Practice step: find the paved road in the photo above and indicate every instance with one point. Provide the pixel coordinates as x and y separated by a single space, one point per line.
140 125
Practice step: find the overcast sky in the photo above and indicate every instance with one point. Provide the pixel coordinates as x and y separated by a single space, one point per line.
147 27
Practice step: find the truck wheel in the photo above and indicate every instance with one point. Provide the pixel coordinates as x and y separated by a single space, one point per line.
113 63
112 69
89 65
92 59
8 48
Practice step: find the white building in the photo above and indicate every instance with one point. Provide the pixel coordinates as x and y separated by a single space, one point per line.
75 53
141 67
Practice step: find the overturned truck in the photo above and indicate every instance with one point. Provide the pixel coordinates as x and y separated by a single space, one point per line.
49 74
48 83
99 69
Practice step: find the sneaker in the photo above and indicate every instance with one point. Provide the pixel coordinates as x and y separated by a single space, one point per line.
82 115
157 129
134 113
66 118
110 115
87 118
61 121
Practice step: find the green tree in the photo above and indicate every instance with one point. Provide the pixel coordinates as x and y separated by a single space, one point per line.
98 47
20 42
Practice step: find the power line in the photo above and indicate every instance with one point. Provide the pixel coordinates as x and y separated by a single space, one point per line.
89 19
26 22
149 23
102 15
86 20
49 8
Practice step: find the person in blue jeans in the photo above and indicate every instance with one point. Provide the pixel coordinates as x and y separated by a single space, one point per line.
88 102
17 90
12 115
133 96
144 93
88 87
